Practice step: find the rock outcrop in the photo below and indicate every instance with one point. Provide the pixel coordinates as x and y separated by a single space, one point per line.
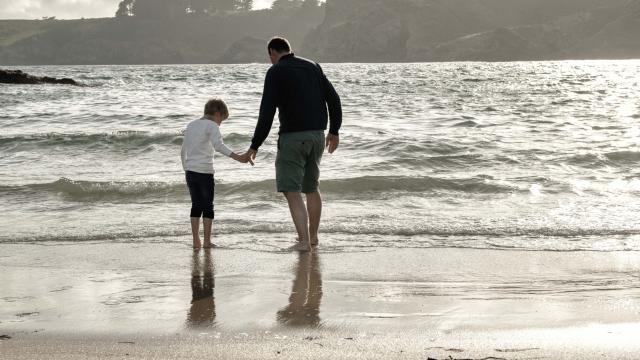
19 77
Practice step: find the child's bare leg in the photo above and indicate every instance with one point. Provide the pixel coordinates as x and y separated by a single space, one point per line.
195 231
207 232
314 208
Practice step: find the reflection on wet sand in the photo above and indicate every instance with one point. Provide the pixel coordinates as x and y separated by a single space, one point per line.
306 294
203 309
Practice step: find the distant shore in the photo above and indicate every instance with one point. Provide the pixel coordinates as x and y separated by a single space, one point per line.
362 31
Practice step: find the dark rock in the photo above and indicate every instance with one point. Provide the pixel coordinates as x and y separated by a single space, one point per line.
19 77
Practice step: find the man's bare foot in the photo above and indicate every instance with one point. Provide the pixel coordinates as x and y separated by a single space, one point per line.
197 244
314 242
209 245
302 247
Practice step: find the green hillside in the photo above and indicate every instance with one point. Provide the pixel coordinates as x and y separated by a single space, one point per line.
341 31
186 39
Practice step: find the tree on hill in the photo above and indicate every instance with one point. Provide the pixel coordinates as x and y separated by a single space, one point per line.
225 5
286 4
125 8
310 4
199 6
163 9
158 9
244 5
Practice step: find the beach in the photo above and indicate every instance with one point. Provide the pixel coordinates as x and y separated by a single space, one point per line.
611 342
473 211
151 300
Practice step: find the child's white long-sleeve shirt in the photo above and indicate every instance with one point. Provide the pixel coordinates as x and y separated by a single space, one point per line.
201 137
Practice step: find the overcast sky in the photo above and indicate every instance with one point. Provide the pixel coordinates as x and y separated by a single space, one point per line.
68 9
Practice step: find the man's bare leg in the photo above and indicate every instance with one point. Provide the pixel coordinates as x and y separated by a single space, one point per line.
207 232
300 220
314 209
195 231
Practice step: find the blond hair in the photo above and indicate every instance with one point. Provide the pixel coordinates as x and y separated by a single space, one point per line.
216 105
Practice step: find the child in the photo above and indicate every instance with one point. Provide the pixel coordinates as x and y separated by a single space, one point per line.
201 137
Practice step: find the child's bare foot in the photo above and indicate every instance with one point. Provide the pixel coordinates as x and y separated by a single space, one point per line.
197 244
209 245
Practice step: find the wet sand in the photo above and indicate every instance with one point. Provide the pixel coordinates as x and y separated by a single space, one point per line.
601 342
97 300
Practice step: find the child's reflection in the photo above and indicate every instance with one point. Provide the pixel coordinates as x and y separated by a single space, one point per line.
304 302
203 309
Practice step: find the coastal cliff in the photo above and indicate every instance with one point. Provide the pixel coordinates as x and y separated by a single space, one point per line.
483 30
188 39
342 31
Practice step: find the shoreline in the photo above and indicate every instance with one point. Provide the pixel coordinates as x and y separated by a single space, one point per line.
266 64
162 300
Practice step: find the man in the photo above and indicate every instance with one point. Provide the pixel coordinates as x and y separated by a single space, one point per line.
301 92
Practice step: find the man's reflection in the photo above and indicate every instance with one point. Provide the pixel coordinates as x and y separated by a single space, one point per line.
203 309
304 302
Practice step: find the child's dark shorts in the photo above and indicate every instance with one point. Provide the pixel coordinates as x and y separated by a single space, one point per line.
201 191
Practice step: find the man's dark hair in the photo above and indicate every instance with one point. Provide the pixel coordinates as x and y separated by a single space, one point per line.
279 44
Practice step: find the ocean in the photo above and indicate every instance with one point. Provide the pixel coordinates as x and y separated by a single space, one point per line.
540 156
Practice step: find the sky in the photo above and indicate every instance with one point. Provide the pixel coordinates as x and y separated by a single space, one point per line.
69 9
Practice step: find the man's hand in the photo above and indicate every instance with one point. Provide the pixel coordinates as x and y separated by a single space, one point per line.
248 157
252 153
332 142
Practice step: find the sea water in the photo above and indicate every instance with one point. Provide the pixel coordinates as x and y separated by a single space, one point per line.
524 155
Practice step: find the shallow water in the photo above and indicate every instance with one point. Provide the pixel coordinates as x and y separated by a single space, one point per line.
531 155
80 289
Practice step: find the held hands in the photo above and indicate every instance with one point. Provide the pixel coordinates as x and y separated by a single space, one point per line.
332 142
244 158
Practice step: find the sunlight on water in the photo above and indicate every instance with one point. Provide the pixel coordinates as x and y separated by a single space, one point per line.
530 155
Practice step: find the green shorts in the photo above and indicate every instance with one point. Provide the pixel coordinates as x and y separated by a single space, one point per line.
298 161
